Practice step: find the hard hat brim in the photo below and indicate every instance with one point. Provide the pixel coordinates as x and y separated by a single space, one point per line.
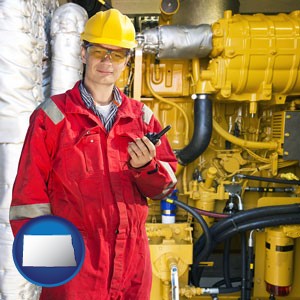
105 41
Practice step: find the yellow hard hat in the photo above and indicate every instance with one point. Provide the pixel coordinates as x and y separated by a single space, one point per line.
110 27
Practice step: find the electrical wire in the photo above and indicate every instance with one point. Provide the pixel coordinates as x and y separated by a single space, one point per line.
210 214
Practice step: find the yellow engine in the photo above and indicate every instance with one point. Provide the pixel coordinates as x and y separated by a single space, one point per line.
231 92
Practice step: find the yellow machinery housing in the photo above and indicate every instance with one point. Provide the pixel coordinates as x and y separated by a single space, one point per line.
247 171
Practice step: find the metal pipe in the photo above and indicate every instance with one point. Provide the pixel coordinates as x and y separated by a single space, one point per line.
138 66
243 143
174 280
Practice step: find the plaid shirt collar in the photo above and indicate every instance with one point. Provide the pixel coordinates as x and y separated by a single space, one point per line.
88 98
90 104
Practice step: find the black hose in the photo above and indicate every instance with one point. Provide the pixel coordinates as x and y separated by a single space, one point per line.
200 219
202 251
270 189
255 213
250 271
226 263
262 222
246 216
202 130
267 179
222 282
229 290
244 265
259 223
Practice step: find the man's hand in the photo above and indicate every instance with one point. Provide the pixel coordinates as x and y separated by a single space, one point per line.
141 151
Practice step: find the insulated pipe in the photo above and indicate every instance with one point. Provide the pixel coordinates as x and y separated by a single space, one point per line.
202 130
66 26
191 41
23 60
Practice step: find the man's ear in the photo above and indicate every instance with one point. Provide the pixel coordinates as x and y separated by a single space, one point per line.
83 54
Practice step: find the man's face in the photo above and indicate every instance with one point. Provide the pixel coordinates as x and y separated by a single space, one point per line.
104 63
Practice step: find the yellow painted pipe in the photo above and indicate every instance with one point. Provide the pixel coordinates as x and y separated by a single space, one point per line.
243 143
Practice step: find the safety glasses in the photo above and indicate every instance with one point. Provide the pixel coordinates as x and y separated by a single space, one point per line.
101 53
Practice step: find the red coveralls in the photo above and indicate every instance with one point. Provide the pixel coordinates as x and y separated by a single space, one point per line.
71 167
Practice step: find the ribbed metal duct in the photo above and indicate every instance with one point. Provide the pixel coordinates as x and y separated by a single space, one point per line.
22 25
67 24
51 6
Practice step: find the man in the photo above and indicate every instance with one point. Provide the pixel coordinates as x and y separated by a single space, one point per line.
86 158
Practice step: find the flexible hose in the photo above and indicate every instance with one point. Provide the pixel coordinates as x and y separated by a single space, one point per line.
259 223
275 180
250 271
245 216
226 263
252 219
229 290
255 213
202 130
222 282
267 221
244 265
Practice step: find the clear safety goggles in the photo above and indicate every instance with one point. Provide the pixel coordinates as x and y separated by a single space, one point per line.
99 52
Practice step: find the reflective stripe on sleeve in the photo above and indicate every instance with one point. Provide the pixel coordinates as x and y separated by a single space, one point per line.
169 170
29 211
147 114
165 192
52 111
